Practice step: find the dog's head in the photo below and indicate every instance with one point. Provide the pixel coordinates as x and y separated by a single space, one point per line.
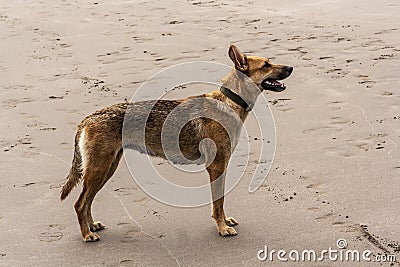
260 70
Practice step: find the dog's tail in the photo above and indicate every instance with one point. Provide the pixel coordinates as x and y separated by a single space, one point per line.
75 173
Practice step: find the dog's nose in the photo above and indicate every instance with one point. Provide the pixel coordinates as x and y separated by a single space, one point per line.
288 69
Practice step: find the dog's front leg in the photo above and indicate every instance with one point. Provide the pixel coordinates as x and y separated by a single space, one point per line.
217 171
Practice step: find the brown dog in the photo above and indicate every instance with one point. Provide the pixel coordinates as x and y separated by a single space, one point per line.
99 143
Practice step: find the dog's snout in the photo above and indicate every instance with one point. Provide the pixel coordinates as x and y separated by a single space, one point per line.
285 72
289 69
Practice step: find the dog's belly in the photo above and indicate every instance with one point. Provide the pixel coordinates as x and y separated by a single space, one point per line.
150 128
186 152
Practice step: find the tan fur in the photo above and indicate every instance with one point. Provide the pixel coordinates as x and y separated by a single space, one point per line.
98 141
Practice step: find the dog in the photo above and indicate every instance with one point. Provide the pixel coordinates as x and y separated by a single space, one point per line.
99 140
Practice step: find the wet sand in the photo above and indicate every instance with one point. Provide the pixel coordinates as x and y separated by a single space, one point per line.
337 163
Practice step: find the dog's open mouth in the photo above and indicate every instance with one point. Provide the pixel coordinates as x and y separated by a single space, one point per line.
273 85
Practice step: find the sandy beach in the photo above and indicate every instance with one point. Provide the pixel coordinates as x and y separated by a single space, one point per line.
337 164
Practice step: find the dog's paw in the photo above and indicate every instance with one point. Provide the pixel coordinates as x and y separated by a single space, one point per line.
97 226
91 237
230 221
227 231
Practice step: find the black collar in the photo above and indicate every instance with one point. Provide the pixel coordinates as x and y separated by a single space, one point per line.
236 98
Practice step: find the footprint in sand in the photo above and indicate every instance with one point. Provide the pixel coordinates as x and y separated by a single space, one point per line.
313 209
386 93
335 125
327 216
53 233
334 218
373 141
282 104
337 151
50 236
57 184
386 31
12 103
128 262
322 209
340 121
367 83
322 128
318 189
131 232
361 144
367 143
337 73
336 105
126 191
314 185
27 140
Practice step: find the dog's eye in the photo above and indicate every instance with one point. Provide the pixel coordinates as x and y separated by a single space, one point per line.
267 65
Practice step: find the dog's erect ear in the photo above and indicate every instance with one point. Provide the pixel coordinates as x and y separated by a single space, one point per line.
238 58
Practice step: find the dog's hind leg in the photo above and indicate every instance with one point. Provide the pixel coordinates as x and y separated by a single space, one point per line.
98 160
97 226
91 185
